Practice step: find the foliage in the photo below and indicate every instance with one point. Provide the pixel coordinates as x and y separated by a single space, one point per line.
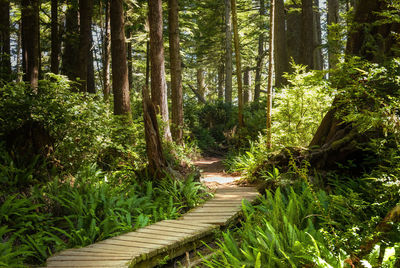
299 107
88 207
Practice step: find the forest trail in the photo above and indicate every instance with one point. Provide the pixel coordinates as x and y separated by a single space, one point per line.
167 239
213 173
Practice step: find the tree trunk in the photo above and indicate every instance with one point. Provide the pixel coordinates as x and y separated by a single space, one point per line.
70 61
129 58
307 33
281 59
294 33
228 52
91 87
158 88
30 41
85 16
261 53
221 71
107 52
270 73
201 87
318 57
19 54
5 56
333 35
55 39
176 72
122 105
246 85
238 63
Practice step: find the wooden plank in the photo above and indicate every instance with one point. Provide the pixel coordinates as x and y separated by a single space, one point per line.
121 263
90 258
182 225
129 243
140 240
112 248
171 229
155 235
191 224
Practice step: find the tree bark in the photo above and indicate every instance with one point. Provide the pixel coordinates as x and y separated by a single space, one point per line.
261 53
307 33
30 41
270 73
91 87
129 58
122 105
85 16
281 59
201 87
238 63
158 88
221 72
294 33
107 52
333 43
5 55
228 52
176 72
70 59
246 85
55 39
318 57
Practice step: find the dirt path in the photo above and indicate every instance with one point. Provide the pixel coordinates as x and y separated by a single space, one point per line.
213 175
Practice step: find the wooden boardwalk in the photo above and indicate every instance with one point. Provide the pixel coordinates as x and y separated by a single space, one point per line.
148 246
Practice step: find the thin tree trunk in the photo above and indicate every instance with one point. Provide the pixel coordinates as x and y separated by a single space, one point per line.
270 73
158 88
55 39
238 63
281 56
228 52
120 85
19 52
176 72
70 59
318 57
246 85
5 62
201 87
307 34
221 71
91 88
261 54
85 15
129 58
333 44
30 41
107 52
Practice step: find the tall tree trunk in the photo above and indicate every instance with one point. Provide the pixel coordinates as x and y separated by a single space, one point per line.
122 105
5 62
158 84
228 52
91 87
318 57
85 15
221 72
129 58
30 41
70 59
176 71
307 34
270 73
238 63
19 54
281 59
106 53
294 33
201 86
55 39
333 41
261 53
246 85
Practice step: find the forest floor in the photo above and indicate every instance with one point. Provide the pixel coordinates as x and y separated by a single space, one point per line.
213 173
